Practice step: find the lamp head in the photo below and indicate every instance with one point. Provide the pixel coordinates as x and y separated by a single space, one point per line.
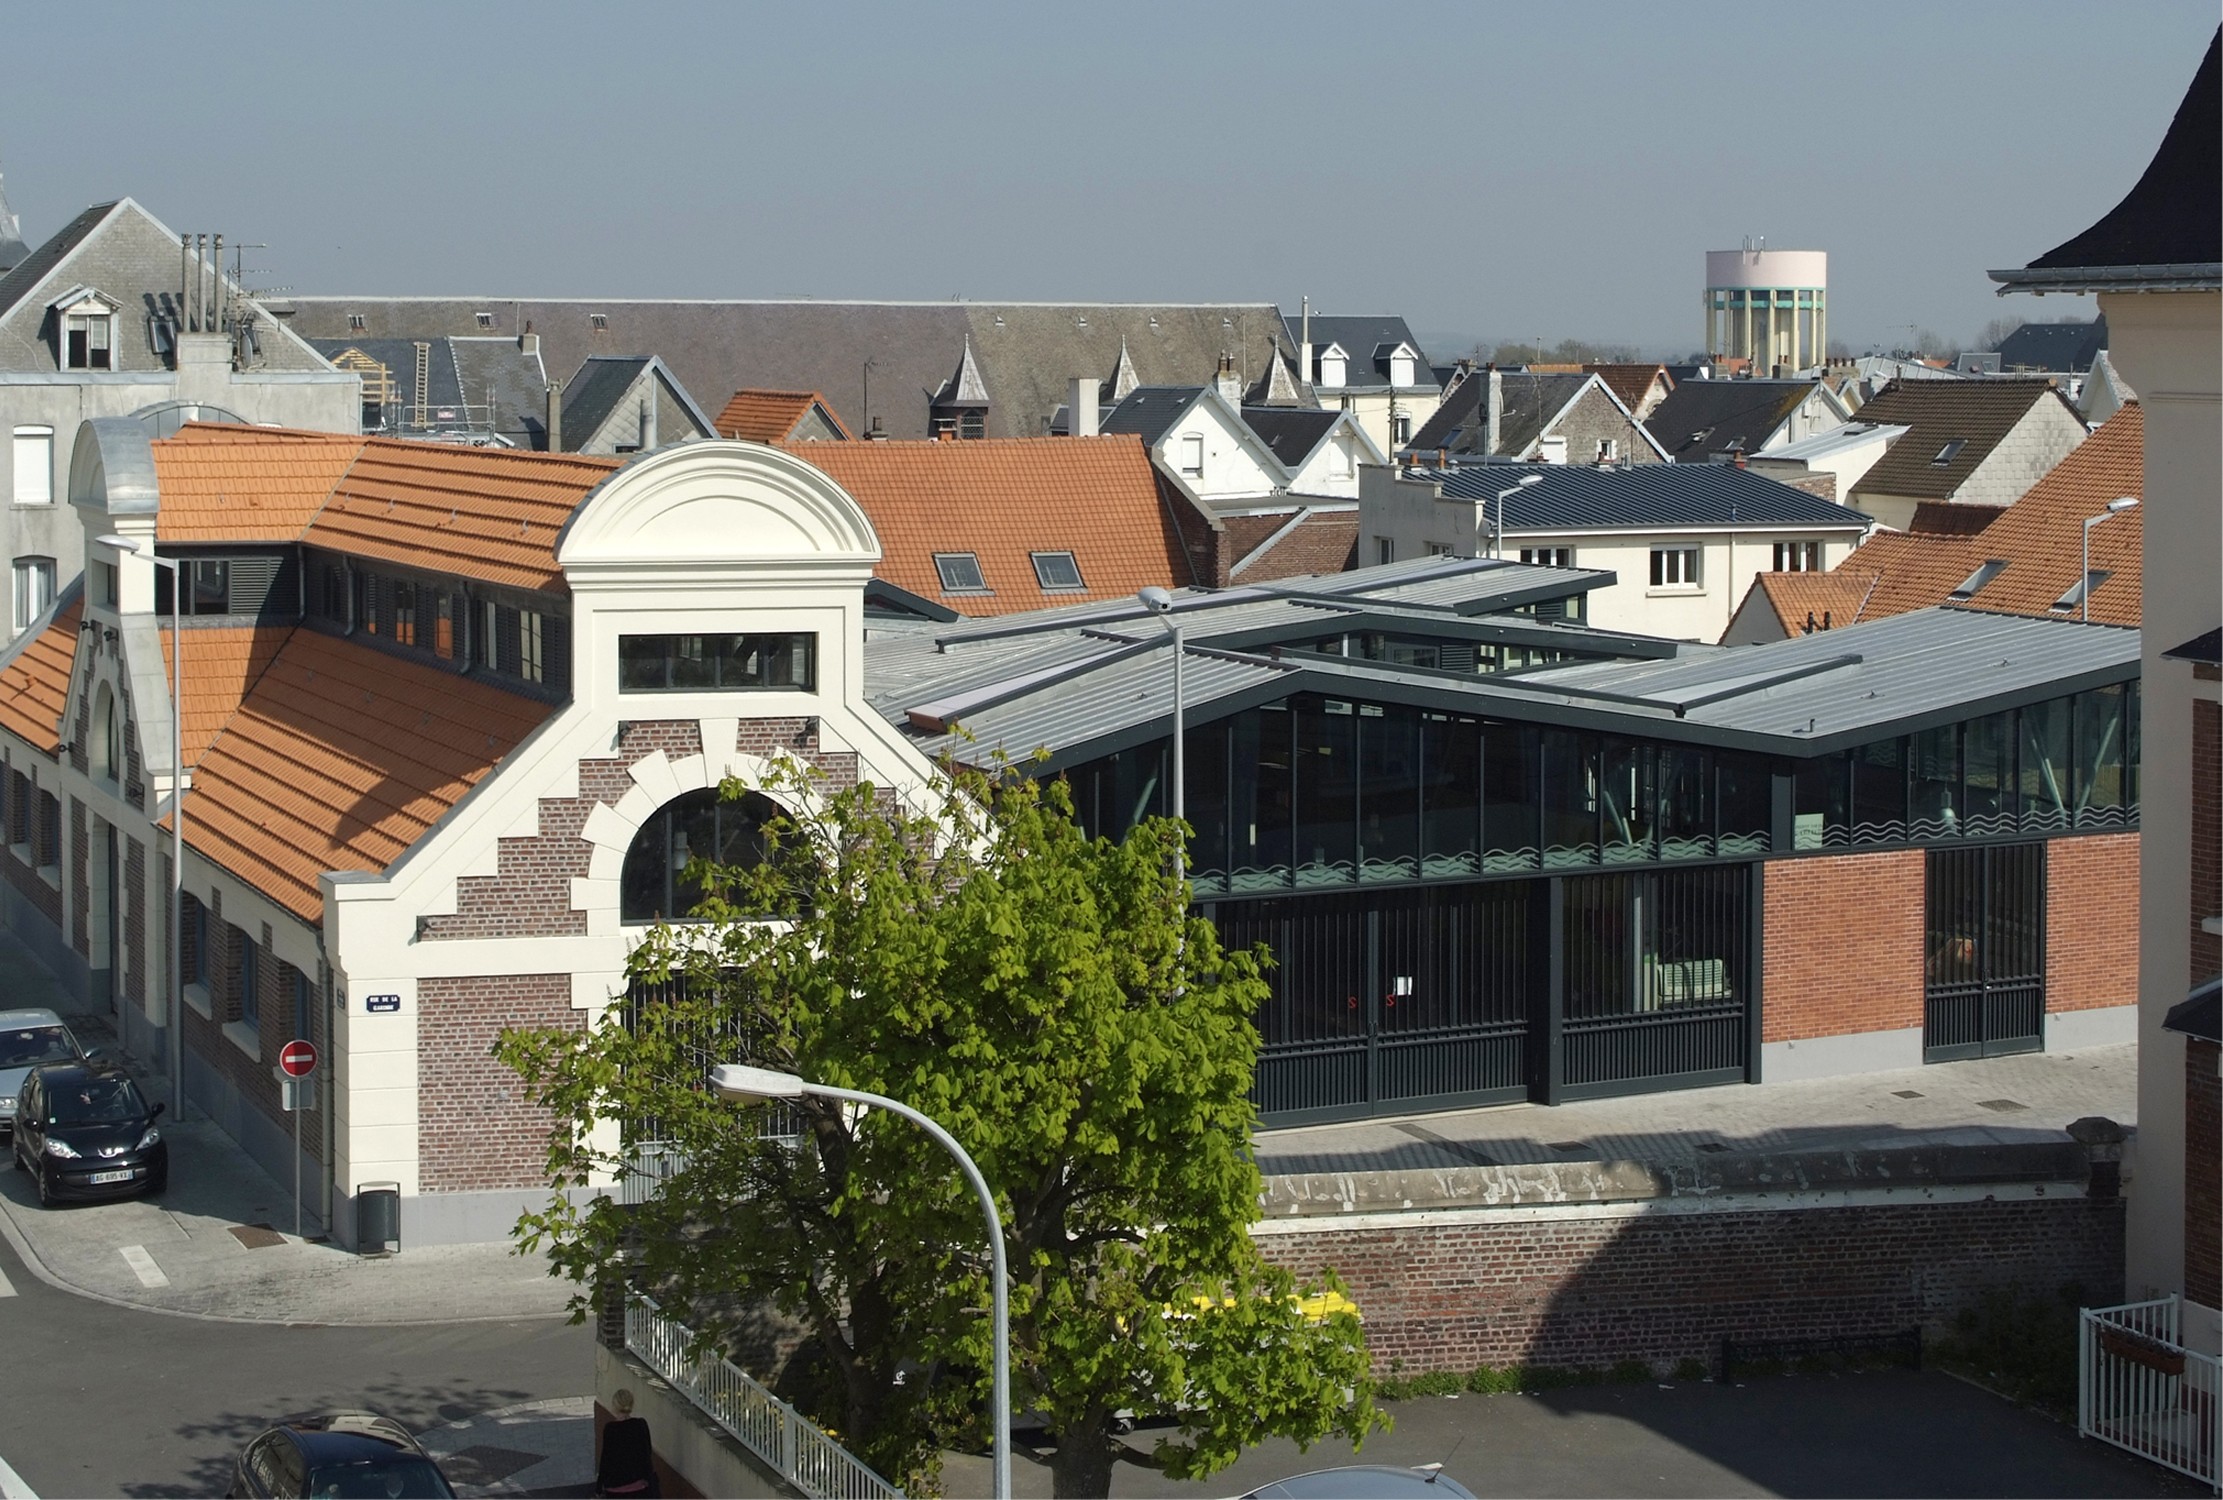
740 1082
1532 479
1155 599
2123 502
118 543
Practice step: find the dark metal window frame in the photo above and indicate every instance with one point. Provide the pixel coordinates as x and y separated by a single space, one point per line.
798 649
945 561
1046 562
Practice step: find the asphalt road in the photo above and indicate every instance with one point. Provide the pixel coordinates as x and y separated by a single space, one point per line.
105 1400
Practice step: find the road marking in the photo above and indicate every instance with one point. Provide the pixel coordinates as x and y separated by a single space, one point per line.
12 1485
143 1266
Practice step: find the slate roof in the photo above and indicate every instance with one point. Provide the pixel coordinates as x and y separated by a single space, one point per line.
40 263
1148 412
34 682
1527 405
1026 353
771 416
1569 497
594 392
1291 432
2199 1014
2053 346
2205 649
1367 340
2168 230
507 386
1001 499
1980 413
1700 418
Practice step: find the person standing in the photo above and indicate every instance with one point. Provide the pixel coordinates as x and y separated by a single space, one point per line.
628 1462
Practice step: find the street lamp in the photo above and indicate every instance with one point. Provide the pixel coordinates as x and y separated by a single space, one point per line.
134 548
740 1082
1160 603
2115 507
1497 532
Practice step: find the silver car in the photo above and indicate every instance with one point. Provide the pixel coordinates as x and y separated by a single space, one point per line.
27 1039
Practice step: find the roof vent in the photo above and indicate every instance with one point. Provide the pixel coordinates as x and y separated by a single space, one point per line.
1949 452
1971 585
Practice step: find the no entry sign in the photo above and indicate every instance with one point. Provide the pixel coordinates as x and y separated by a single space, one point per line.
298 1058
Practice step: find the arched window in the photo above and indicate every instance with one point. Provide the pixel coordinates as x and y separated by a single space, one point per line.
107 736
654 885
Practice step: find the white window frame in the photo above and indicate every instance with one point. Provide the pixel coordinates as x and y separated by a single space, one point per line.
1798 557
532 664
1679 570
1548 557
1192 454
34 457
34 589
1042 579
941 573
1385 551
88 311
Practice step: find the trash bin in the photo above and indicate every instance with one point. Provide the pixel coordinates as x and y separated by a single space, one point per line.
377 1218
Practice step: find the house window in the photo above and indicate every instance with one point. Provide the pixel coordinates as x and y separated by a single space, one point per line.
1385 550
304 1004
599 322
1798 557
193 940
87 341
530 664
443 626
355 323
653 884
1192 454
960 573
1549 557
487 650
250 983
1400 427
1675 567
105 586
716 663
405 614
1439 549
34 589
485 319
211 584
1609 449
1057 572
50 831
34 466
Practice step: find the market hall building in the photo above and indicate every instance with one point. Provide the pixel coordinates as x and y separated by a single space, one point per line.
453 719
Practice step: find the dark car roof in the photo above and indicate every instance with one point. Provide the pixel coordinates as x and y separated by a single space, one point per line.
63 1074
348 1437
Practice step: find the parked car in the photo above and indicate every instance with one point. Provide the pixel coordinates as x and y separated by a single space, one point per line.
83 1130
27 1039
338 1453
1366 1482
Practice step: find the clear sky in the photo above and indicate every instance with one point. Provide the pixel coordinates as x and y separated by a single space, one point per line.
1490 171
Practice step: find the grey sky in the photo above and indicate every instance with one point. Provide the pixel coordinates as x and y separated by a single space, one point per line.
1488 171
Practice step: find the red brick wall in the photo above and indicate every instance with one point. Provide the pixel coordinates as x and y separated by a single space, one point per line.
2207 838
1667 1287
529 894
474 1129
251 1073
1842 952
2091 921
2203 1174
133 981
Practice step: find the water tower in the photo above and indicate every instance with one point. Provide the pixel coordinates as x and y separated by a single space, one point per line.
1770 307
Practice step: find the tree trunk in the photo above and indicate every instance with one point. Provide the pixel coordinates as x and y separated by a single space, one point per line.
1081 1469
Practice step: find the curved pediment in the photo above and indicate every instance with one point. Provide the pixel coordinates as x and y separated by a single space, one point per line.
718 502
111 468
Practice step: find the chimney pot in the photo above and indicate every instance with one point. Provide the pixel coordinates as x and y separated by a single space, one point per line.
1080 407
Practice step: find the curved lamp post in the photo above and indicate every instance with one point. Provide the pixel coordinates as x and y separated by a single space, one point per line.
740 1082
2115 507
1160 603
1497 531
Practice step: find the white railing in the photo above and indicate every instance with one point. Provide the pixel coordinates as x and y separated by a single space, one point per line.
782 1437
2139 1388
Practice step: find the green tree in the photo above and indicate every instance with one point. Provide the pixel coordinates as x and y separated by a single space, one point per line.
1049 1000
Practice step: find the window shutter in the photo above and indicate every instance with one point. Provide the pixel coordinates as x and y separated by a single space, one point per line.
252 581
506 655
555 653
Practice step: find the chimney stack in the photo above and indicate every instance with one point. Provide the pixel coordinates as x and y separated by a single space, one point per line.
648 421
1493 411
1230 384
216 286
1080 407
555 416
1304 348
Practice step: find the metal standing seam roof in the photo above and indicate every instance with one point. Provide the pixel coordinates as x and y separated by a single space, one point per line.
1641 497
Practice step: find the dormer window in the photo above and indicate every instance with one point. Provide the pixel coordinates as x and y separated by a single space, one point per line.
85 330
1400 361
1334 365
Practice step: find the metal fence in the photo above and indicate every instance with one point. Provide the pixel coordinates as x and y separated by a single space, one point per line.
2139 1388
783 1438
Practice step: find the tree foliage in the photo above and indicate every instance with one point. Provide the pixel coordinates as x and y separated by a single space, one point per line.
1050 1001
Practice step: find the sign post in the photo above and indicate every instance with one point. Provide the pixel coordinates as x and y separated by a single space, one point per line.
296 1061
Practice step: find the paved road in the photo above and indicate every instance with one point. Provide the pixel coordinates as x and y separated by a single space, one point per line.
107 1400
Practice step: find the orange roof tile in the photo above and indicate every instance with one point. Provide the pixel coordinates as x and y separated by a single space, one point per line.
2042 534
770 416
1830 600
35 687
246 484
1003 498
484 513
340 757
222 665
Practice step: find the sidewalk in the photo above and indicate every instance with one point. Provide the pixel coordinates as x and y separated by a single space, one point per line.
537 1448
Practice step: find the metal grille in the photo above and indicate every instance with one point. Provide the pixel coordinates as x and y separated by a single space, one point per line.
1656 979
1984 952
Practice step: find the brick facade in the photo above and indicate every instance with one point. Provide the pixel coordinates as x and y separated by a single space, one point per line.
1835 960
1667 1287
529 895
2207 838
474 1129
2203 1173
2091 921
134 979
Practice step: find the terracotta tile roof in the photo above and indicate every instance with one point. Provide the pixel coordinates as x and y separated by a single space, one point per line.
35 686
771 416
1003 498
246 484
340 757
222 665
485 513
1978 413
1944 518
2042 534
1324 543
1630 382
1831 600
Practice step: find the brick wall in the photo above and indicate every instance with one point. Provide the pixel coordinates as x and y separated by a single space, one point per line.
2207 838
529 894
2203 1174
134 979
1666 1287
1835 959
2091 921
474 1129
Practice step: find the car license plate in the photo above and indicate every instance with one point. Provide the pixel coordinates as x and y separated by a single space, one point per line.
100 1177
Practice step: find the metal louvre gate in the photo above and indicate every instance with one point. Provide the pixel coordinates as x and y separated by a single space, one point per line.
1657 981
1984 952
1386 1001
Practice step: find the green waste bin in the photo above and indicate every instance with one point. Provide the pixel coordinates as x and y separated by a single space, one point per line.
377 1218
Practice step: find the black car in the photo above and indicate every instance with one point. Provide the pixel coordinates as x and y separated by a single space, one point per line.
341 1453
84 1130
